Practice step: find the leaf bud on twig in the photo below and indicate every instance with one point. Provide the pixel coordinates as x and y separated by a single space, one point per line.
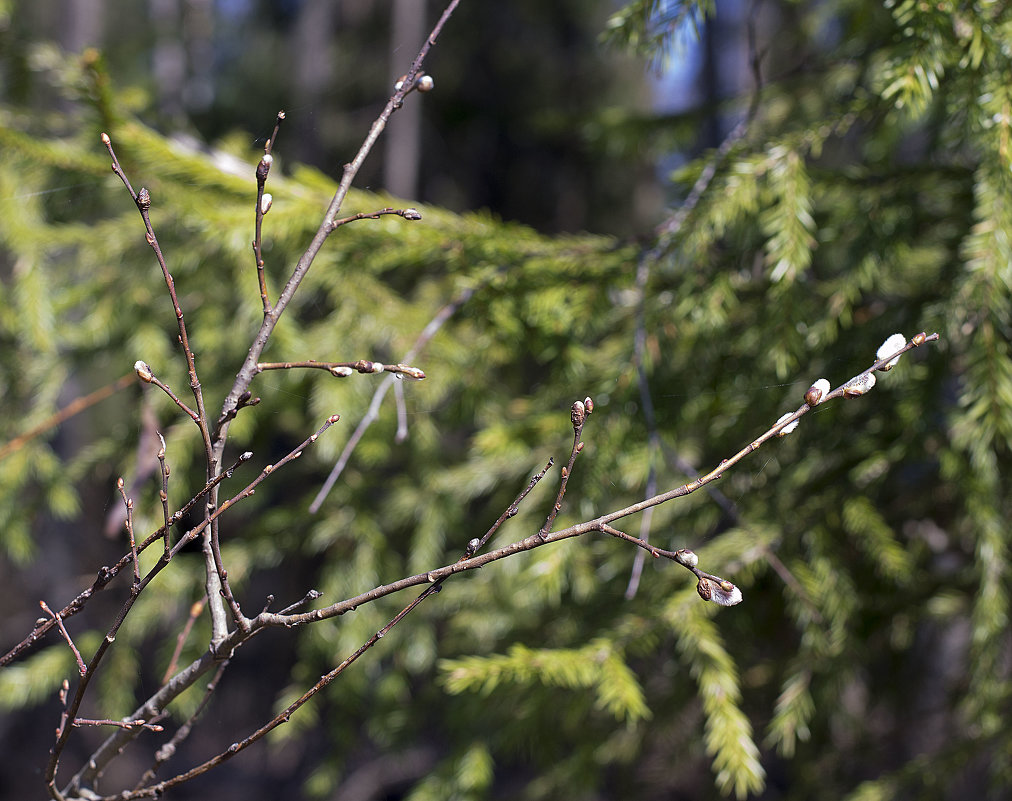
787 429
588 404
411 214
264 166
425 83
265 202
407 371
920 339
341 371
686 557
579 414
816 392
472 546
891 345
858 386
143 199
721 592
143 371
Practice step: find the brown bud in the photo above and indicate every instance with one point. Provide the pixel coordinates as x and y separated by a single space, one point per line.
579 414
264 166
425 83
411 214
589 404
144 199
920 338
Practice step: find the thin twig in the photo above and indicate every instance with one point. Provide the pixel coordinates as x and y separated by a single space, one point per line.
122 724
407 214
145 373
142 200
76 406
107 574
345 369
578 416
513 507
163 493
196 608
129 504
372 413
262 207
248 370
241 620
66 635
168 750
96 763
709 586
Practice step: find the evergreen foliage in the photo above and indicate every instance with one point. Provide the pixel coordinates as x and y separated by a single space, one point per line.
869 194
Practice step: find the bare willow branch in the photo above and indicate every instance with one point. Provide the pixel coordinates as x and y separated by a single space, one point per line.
430 330
66 635
142 200
106 574
345 369
263 205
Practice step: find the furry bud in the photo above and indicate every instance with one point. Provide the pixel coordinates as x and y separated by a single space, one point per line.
816 392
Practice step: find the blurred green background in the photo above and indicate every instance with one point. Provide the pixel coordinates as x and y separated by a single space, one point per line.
867 193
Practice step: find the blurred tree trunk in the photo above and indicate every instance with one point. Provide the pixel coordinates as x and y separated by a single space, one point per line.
400 168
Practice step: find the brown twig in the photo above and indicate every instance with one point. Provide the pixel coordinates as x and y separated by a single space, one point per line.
578 416
129 505
142 200
263 205
241 620
196 608
168 750
163 493
345 369
407 214
430 330
107 574
146 374
122 724
248 370
66 635
709 586
97 762
76 406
